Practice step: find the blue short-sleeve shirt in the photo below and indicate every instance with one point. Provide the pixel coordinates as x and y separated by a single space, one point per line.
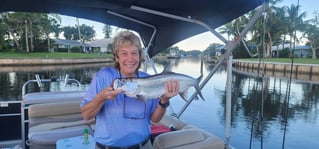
123 121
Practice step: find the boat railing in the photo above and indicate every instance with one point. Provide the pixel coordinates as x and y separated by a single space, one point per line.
43 98
39 81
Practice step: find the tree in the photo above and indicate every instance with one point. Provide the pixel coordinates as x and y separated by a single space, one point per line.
295 22
14 25
228 30
107 30
26 27
211 49
69 32
3 32
268 28
311 32
49 26
86 33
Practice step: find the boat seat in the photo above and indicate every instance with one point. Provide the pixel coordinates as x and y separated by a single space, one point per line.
185 136
50 122
59 125
171 121
40 138
54 112
187 139
51 97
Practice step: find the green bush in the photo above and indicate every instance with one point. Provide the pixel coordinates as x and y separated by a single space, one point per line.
284 53
76 50
62 50
13 50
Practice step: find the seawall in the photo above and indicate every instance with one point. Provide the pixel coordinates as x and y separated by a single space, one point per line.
304 72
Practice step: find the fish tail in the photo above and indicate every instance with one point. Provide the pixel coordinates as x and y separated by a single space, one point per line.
201 71
199 78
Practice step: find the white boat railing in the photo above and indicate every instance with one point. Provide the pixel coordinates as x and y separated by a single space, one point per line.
39 81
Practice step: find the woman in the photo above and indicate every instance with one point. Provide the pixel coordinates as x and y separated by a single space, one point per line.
122 121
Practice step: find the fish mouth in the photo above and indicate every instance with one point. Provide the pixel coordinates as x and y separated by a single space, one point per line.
117 84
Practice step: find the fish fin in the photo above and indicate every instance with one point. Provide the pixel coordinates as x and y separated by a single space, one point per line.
201 71
142 98
199 78
168 67
183 95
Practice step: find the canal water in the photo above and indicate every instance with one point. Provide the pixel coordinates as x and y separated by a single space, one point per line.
267 113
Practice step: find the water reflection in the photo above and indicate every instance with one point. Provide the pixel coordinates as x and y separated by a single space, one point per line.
259 105
13 78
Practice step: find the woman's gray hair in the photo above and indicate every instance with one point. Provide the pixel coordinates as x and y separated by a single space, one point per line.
125 38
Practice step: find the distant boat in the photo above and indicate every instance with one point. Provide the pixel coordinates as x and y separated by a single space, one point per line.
212 60
173 54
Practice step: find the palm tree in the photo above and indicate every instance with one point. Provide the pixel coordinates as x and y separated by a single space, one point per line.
295 22
268 28
48 26
107 30
311 32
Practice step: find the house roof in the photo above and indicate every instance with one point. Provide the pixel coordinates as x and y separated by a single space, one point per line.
287 45
68 42
103 43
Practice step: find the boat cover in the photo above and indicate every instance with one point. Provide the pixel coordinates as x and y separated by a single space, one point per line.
214 13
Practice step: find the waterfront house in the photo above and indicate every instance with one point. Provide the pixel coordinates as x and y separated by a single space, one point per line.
102 45
300 51
64 45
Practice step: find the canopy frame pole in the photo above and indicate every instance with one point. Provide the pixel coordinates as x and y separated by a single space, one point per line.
180 18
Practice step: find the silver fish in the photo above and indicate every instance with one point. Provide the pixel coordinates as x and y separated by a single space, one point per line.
153 86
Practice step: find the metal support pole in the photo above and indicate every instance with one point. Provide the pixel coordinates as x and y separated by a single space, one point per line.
228 99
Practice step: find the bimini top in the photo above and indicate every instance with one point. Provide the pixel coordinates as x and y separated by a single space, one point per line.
169 30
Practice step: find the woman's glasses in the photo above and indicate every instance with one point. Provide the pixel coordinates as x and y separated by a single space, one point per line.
133 109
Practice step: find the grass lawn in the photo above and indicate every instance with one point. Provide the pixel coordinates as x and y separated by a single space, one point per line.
285 60
96 55
53 55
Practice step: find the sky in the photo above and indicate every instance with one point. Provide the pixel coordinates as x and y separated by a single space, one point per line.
201 41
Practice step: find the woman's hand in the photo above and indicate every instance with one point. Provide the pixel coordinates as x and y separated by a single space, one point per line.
171 89
91 109
109 93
